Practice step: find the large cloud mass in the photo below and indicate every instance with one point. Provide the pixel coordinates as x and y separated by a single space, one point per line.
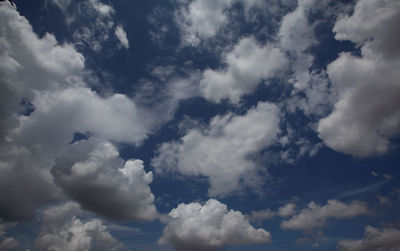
209 227
220 151
367 113
44 102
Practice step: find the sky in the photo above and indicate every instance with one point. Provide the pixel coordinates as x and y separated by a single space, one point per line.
202 125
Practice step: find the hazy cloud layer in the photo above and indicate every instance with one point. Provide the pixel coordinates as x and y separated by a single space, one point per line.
209 227
220 150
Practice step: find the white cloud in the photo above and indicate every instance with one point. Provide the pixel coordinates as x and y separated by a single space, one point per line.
366 115
121 35
220 151
375 23
103 9
92 173
62 230
247 65
287 210
201 19
295 32
387 239
209 227
315 216
115 118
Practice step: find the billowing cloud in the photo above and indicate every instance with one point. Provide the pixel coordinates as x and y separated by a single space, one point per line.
387 239
220 151
48 77
247 65
366 115
92 173
121 35
315 216
63 230
28 63
209 227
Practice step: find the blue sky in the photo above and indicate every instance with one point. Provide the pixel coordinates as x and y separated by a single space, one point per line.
199 125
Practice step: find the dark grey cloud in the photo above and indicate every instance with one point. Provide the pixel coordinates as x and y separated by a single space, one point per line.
92 173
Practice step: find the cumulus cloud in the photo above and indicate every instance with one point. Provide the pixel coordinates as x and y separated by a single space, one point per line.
92 173
63 230
220 151
247 65
387 239
315 216
48 76
121 35
209 227
366 115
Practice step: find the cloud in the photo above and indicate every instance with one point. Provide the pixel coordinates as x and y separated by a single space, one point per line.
29 64
48 77
247 65
63 230
201 19
295 32
387 239
374 23
220 151
315 216
9 244
92 173
366 115
287 210
261 215
209 227
121 35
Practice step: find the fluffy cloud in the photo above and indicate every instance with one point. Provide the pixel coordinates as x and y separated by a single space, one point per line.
62 230
295 32
367 113
315 216
209 227
201 19
374 23
121 35
220 151
92 173
28 63
247 65
387 239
